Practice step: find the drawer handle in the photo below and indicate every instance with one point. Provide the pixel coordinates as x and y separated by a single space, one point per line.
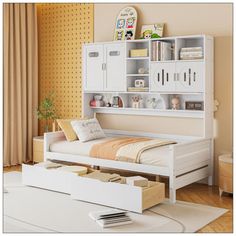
93 54
114 53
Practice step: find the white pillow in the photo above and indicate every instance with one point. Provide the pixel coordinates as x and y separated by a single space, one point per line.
87 129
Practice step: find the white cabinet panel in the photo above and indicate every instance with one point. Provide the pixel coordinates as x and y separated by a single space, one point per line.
115 67
190 76
94 68
162 77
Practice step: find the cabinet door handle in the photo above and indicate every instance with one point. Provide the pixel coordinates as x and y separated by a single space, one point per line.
177 76
104 66
93 54
114 53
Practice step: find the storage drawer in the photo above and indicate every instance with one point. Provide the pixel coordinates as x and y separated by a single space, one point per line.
51 179
117 195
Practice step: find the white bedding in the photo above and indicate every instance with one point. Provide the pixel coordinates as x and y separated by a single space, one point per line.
155 156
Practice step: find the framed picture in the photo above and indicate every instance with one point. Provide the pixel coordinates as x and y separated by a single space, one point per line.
194 105
126 24
152 31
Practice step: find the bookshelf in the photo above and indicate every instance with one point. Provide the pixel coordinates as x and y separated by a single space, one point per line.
190 80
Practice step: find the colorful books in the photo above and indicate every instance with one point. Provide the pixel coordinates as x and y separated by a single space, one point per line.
110 218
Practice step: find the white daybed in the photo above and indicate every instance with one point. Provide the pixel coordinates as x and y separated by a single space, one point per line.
188 161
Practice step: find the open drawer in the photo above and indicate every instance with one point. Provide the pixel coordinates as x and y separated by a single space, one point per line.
51 179
123 196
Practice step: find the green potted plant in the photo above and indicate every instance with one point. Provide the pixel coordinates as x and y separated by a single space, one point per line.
46 111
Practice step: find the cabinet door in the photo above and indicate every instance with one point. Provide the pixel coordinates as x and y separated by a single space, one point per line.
190 76
162 77
115 79
94 68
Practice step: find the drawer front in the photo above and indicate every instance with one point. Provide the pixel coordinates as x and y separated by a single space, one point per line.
38 156
113 194
51 179
226 184
225 169
154 195
38 145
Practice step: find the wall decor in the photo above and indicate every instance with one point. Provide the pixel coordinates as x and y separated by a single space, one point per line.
194 105
126 24
152 31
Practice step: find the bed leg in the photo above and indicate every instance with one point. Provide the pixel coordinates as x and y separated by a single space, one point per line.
210 181
172 195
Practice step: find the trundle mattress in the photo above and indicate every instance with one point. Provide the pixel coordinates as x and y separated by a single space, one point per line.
155 156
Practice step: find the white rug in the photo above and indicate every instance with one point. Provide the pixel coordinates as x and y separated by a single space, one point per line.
28 209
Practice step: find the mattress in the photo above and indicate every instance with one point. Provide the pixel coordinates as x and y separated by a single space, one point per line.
156 156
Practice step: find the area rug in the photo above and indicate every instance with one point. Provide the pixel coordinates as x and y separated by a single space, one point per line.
29 209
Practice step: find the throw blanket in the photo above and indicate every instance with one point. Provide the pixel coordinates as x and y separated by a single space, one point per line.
127 149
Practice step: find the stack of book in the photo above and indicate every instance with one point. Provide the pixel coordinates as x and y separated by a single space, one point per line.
161 51
191 53
138 89
110 218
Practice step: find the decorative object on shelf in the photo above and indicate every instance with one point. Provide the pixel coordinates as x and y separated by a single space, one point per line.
142 70
194 105
137 102
126 24
191 53
139 52
47 112
152 103
139 83
152 31
175 103
117 101
97 101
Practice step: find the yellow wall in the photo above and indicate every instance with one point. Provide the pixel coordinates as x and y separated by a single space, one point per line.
62 30
181 19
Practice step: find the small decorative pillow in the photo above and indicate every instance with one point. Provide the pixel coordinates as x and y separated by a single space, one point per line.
66 127
88 129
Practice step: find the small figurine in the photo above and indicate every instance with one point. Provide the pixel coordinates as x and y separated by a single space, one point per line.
175 103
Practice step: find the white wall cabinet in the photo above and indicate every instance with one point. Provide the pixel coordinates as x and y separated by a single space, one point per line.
105 67
177 76
94 73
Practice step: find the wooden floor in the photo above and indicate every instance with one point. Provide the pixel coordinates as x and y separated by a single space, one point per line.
202 194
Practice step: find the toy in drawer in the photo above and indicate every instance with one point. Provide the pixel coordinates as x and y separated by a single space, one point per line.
123 196
139 52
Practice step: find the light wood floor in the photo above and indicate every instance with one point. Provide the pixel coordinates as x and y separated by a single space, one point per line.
202 194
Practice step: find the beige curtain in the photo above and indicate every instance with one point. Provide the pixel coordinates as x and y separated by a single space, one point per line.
20 81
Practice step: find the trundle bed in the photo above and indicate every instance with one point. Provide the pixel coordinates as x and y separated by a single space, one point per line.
187 161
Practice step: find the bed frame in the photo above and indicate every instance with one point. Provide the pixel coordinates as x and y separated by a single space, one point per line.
189 161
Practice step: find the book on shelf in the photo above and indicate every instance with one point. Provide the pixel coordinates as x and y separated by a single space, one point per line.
138 89
161 51
110 218
191 53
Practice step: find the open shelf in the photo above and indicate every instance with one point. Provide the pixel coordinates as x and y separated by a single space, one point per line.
137 58
147 111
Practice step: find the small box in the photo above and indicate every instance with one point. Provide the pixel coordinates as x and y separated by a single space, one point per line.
137 181
139 52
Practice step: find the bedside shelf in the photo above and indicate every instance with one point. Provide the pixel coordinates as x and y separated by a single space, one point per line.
137 75
147 111
137 58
